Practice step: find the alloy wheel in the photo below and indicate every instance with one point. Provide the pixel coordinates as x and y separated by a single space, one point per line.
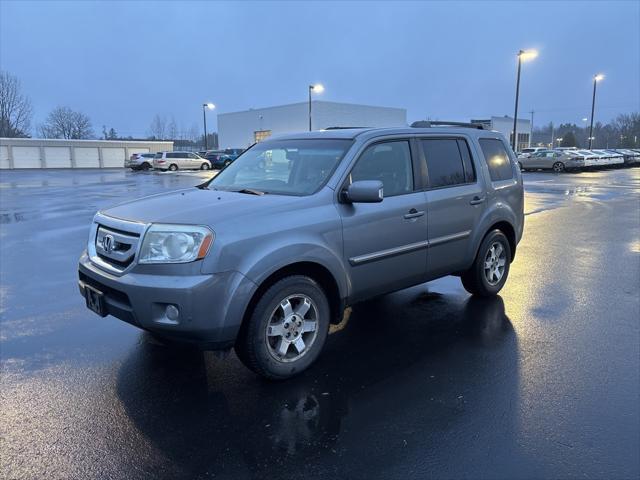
292 328
494 263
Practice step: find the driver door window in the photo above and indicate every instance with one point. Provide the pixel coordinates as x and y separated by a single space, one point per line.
389 162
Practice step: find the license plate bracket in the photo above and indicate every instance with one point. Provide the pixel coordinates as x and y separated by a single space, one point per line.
95 300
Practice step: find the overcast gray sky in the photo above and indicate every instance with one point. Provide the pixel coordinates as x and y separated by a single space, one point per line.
121 63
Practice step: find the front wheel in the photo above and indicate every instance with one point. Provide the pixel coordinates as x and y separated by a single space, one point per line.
204 166
490 269
287 329
558 167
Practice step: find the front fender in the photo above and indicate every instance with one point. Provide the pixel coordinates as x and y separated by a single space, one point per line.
275 257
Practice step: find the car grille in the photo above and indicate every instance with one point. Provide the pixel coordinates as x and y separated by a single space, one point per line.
114 243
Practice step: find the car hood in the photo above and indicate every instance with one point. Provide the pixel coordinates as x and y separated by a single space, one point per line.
197 206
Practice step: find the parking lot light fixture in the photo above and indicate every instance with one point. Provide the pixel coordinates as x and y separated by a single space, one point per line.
206 106
596 78
317 88
523 55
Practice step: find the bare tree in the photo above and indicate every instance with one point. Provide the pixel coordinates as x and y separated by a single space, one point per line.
172 129
15 108
63 122
158 127
194 132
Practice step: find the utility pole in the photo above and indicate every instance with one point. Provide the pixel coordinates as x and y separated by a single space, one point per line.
551 134
531 128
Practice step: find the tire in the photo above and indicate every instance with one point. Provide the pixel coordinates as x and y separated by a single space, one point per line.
173 167
204 166
145 166
521 167
227 163
262 336
558 167
476 279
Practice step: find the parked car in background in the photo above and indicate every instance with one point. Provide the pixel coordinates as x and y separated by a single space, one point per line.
527 152
234 151
558 161
589 158
630 157
263 260
215 158
607 157
179 161
222 158
140 161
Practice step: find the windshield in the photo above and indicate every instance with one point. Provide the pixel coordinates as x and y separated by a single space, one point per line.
289 167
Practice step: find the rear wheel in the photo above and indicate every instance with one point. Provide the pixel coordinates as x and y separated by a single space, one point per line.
173 167
145 166
204 166
521 167
558 167
287 328
490 269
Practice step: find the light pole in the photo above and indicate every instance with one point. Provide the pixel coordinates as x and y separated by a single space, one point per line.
318 88
522 55
206 106
596 79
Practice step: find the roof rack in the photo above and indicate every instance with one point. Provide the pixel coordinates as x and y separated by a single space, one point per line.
434 123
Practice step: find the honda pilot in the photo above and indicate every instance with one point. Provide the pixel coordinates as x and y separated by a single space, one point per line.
266 255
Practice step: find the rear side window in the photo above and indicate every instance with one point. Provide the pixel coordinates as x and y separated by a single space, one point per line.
497 159
448 162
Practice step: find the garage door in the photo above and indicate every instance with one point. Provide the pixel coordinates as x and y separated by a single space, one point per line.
26 157
87 157
4 156
57 157
113 157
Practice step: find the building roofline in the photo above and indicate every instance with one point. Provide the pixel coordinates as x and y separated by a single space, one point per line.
314 102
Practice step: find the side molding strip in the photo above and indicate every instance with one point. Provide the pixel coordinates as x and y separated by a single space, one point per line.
392 252
449 238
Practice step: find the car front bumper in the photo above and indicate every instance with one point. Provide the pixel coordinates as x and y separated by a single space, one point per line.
211 307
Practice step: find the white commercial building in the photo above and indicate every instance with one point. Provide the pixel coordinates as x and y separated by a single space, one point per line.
241 129
53 153
504 125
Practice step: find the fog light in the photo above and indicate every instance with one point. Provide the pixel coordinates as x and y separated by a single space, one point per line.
172 313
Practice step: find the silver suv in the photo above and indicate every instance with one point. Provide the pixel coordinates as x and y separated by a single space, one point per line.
270 252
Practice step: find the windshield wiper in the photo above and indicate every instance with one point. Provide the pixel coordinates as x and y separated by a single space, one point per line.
249 191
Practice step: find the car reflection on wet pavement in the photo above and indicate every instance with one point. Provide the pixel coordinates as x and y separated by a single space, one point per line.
542 381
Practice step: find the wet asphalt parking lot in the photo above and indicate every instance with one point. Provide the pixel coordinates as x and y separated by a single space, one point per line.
541 382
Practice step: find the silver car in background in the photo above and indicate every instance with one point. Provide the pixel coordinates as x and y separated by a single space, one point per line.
558 161
140 161
180 161
607 157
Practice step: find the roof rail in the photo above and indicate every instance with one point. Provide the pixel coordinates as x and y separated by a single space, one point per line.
342 128
434 123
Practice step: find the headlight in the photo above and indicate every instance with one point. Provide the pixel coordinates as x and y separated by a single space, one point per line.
175 243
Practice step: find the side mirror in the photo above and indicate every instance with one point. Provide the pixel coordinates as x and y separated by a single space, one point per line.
364 191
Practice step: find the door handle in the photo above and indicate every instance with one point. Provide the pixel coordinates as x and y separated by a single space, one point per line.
413 213
476 200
